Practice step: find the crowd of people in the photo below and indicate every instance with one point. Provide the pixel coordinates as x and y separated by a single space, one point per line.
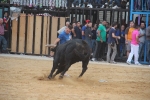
74 3
115 39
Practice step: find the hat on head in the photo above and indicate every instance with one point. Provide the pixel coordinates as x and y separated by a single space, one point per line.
87 21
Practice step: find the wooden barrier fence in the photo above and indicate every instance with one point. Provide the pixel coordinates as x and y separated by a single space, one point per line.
30 34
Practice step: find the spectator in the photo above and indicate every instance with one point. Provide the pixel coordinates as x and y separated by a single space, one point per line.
107 33
6 20
72 31
148 41
118 40
141 40
118 2
134 47
100 41
128 36
88 35
64 35
6 24
122 41
63 28
94 29
112 44
77 31
76 2
2 38
83 28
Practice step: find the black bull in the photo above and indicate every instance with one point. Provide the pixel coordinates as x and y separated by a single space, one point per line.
69 53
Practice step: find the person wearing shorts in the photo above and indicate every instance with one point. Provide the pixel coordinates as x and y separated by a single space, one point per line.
128 36
134 47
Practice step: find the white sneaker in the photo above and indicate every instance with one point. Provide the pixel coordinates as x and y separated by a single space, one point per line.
93 59
138 64
129 63
113 62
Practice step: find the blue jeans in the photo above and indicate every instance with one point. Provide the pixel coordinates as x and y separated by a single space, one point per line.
75 2
148 49
98 1
122 49
93 45
141 50
4 42
117 1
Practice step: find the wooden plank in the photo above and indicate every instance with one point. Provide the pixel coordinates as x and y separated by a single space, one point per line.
48 33
45 28
54 29
62 22
30 34
14 36
22 33
37 34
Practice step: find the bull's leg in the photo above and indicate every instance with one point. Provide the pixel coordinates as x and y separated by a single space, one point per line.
55 66
84 67
64 71
60 69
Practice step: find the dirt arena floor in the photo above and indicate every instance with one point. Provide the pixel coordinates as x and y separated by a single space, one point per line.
26 79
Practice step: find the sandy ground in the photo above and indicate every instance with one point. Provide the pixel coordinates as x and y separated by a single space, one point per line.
26 79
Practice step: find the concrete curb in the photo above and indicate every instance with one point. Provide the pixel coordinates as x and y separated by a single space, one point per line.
50 59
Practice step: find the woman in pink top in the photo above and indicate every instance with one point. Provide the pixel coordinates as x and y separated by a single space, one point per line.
134 47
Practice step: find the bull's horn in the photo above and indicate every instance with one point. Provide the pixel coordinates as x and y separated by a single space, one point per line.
50 45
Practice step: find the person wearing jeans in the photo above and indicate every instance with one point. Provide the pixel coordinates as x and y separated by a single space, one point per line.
100 41
148 42
94 37
2 38
112 44
134 47
141 40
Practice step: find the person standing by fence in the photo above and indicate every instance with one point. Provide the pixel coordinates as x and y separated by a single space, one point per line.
83 28
88 35
134 47
100 41
77 31
112 43
141 40
122 41
128 36
148 42
2 38
94 29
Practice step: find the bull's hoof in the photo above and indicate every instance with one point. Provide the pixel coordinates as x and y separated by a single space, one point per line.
49 77
61 77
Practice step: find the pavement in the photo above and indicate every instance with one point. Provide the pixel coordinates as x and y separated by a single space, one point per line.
51 58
